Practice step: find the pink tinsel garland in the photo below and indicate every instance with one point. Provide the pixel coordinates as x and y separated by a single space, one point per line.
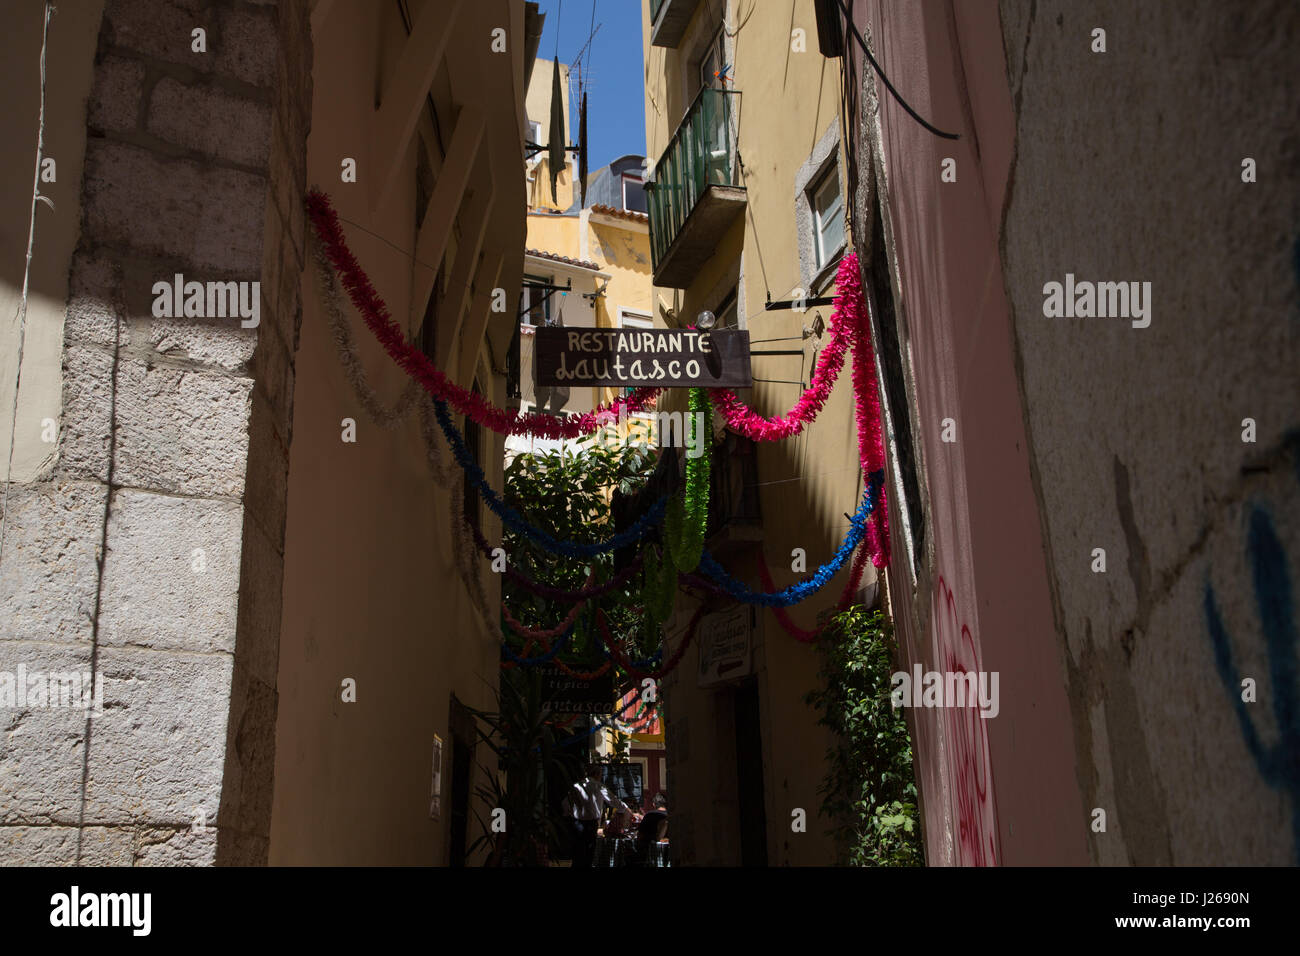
850 327
417 365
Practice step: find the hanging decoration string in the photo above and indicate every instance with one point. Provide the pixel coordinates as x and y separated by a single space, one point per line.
846 598
353 369
871 449
850 328
444 475
803 589
544 658
525 631
341 332
557 594
755 427
416 364
688 516
513 520
631 666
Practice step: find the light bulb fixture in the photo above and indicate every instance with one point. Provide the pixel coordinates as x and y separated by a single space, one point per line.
705 320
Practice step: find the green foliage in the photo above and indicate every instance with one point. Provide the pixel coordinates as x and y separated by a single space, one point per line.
568 495
869 792
520 736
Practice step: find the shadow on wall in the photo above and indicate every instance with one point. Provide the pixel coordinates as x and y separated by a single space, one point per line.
1278 763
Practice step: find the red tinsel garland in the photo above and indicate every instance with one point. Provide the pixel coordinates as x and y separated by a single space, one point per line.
417 365
617 653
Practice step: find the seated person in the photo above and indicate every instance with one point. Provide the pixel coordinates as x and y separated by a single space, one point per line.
653 827
619 820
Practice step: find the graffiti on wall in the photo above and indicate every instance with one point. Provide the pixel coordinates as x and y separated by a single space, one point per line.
966 742
1278 763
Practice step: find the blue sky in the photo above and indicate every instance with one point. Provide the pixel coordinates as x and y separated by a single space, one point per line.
613 68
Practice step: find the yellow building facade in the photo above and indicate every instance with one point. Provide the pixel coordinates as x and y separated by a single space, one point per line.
599 254
743 99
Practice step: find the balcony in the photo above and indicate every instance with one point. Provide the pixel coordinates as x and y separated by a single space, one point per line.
669 20
694 199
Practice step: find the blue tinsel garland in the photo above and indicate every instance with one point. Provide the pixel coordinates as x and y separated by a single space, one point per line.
515 521
801 589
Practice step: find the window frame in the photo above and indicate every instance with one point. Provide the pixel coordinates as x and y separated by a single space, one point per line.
639 180
717 45
728 304
527 292
816 190
640 320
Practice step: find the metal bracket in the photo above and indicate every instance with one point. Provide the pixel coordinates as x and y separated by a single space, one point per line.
531 149
783 304
549 289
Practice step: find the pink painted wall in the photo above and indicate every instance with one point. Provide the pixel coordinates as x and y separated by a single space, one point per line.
1002 790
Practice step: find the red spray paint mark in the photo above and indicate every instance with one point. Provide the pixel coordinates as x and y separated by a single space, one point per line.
966 742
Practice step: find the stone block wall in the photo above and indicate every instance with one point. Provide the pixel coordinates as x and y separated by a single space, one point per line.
152 556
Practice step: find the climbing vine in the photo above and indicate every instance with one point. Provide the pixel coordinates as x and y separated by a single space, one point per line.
869 792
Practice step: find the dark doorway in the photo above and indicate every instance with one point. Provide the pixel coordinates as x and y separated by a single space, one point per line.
749 776
462 772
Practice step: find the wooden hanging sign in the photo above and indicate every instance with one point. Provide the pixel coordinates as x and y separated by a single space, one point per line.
663 358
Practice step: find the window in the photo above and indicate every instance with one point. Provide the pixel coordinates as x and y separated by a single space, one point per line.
535 132
534 303
726 312
628 319
712 62
634 193
828 216
897 411
428 337
474 443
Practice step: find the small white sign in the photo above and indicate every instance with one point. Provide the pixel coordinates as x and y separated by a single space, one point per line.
726 646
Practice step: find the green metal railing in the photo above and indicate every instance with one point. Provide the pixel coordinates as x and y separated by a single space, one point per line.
700 154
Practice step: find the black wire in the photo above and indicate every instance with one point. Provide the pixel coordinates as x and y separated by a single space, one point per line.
559 14
889 86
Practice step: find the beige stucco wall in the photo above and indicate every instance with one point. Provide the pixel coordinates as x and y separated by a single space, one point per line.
788 100
72 35
371 588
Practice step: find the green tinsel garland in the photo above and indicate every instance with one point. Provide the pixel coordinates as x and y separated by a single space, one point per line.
689 515
684 524
659 592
